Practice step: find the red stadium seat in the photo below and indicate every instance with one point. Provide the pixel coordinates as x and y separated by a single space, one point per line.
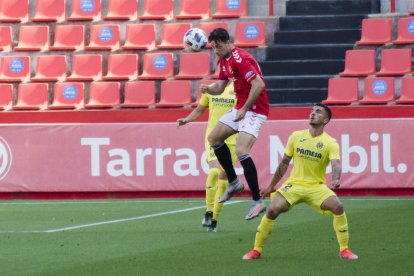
122 67
378 91
14 10
104 37
122 10
407 91
208 27
230 9
49 11
194 65
250 34
139 94
395 62
359 63
104 95
194 9
198 91
15 68
175 93
405 31
376 31
86 68
33 38
69 37
140 37
172 35
32 96
411 12
68 95
158 10
6 43
6 96
157 66
342 91
50 68
85 10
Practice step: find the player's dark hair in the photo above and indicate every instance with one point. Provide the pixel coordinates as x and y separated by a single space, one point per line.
327 110
219 35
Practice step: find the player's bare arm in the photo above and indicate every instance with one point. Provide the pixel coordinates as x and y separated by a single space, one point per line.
215 89
280 172
255 91
194 115
336 173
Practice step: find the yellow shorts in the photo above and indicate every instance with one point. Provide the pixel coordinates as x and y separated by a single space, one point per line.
211 156
314 196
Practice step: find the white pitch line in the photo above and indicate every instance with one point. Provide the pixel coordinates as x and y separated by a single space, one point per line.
59 202
115 221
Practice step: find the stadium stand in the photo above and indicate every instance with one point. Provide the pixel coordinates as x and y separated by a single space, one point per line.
230 9
194 70
49 11
140 37
86 67
14 11
14 68
33 38
378 90
407 91
172 35
6 96
122 10
175 93
158 10
157 66
376 31
139 94
250 34
405 31
122 67
194 9
342 91
50 68
69 38
104 95
82 10
6 43
359 63
32 96
68 95
104 37
395 62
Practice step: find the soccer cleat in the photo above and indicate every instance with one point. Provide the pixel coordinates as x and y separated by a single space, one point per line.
208 216
251 255
257 208
213 226
232 189
347 254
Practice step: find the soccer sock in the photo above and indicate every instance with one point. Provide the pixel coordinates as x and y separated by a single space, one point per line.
250 173
211 188
224 157
263 232
340 225
221 188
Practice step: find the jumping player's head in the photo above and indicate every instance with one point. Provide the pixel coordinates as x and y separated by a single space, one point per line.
320 115
220 42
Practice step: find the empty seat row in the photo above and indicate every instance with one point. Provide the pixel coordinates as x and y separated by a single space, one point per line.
88 67
394 62
378 31
55 10
107 36
377 90
71 95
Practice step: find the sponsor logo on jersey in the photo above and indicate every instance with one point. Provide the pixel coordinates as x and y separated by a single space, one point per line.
309 153
248 75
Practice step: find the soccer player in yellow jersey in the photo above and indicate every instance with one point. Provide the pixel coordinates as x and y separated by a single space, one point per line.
312 149
216 183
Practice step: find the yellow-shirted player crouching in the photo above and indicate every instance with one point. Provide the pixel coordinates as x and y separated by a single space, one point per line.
312 150
216 183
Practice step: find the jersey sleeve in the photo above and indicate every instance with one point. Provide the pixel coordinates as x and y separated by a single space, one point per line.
204 100
290 147
245 69
334 151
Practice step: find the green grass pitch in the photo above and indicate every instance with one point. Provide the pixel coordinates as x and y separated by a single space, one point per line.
165 237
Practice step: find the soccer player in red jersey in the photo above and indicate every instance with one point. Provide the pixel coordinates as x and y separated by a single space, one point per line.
246 117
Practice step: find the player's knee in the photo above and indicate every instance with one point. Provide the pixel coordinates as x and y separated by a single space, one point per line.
337 209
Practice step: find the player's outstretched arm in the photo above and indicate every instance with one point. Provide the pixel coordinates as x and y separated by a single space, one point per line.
214 89
280 172
194 115
336 173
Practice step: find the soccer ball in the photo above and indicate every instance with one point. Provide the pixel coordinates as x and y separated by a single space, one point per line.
195 39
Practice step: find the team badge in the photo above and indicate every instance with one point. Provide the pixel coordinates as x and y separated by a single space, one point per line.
319 145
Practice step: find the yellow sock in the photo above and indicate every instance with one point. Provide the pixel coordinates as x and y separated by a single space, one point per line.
340 225
221 188
263 232
211 187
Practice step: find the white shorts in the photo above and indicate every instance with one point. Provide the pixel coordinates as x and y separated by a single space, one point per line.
251 123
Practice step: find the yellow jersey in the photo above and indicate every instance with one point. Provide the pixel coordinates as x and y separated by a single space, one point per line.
217 106
311 156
